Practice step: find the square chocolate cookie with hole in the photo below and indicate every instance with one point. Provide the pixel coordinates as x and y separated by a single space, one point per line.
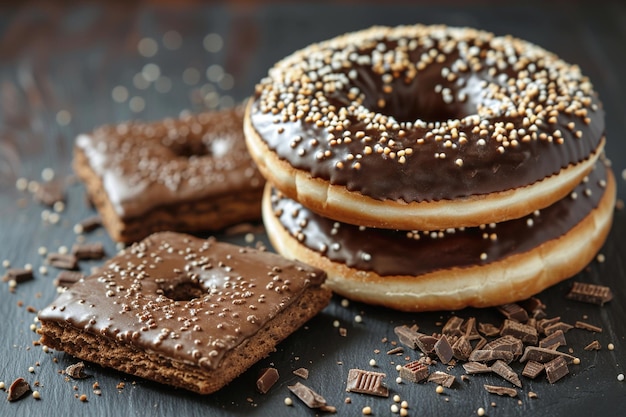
184 311
188 174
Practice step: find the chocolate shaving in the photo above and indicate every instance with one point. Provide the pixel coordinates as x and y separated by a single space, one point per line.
453 326
514 312
89 251
595 345
542 355
544 323
556 338
76 371
414 371
590 293
310 398
488 355
495 389
366 382
488 329
506 372
444 350
556 369
476 368
62 261
532 369
302 373
68 278
442 378
525 333
564 327
48 193
266 380
396 350
18 389
18 275
586 326
89 224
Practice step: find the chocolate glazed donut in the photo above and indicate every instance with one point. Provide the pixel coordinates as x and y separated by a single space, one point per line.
424 127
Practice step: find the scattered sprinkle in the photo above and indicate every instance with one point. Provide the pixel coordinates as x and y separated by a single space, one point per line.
366 410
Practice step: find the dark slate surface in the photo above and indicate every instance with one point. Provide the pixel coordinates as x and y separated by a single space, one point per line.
55 58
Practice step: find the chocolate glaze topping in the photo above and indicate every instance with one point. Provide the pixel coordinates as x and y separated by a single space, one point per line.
149 165
422 113
182 297
414 253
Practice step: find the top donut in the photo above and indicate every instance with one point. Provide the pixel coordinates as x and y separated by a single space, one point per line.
424 127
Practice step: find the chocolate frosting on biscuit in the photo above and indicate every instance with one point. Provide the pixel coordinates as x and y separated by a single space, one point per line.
426 113
183 297
414 253
144 166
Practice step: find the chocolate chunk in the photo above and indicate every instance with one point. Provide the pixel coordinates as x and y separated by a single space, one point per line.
407 336
18 275
62 261
442 378
18 389
414 371
266 380
453 326
595 345
476 368
507 343
68 278
564 327
556 338
534 307
525 333
495 389
426 343
588 326
444 350
367 382
310 398
506 372
544 323
590 293
76 371
49 193
542 355
488 329
488 355
89 224
481 342
514 312
302 373
556 369
532 369
462 348
469 327
88 251
396 350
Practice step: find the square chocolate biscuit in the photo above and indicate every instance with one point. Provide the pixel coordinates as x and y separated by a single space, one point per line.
184 311
189 174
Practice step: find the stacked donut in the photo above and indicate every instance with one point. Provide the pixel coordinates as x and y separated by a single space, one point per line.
429 167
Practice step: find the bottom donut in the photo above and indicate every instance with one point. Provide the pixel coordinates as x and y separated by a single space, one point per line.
449 269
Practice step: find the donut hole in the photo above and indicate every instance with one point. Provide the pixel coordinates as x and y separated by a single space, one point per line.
189 148
184 291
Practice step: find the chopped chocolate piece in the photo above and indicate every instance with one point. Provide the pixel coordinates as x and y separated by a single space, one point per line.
469 327
18 389
525 333
476 368
76 371
488 355
514 312
542 355
414 371
89 224
309 397
462 348
534 307
590 293
89 251
532 369
266 380
302 373
481 342
506 372
62 261
564 327
595 345
453 326
366 382
18 275
555 338
396 350
543 323
442 378
556 369
444 350
488 329
49 193
587 326
407 336
496 389
426 343
507 343
68 278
